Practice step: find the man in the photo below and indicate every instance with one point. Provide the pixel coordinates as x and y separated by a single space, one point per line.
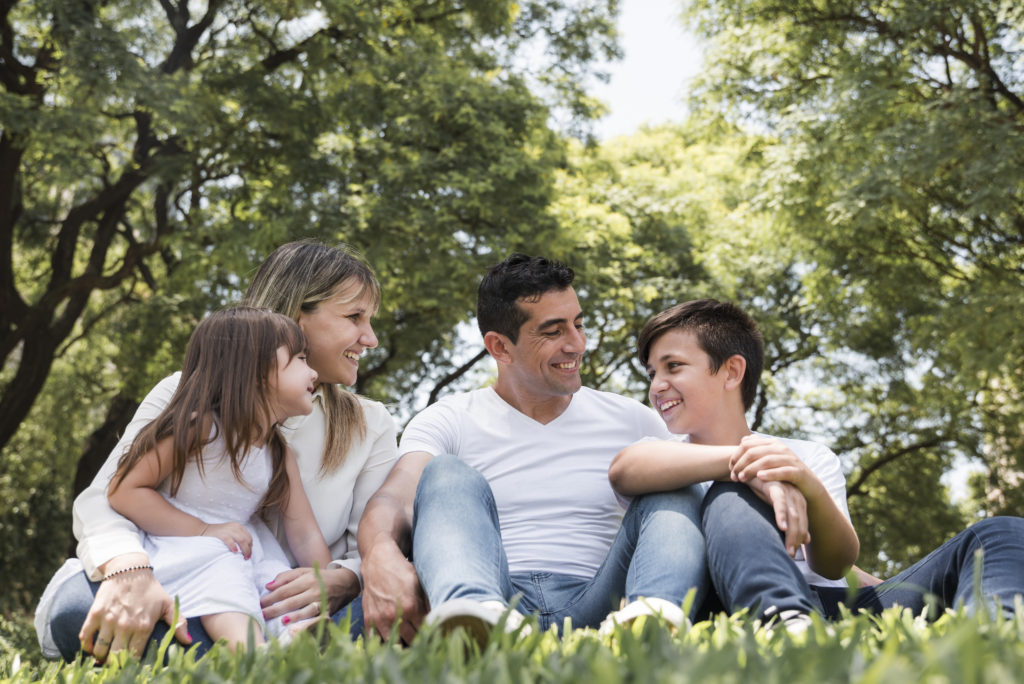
512 500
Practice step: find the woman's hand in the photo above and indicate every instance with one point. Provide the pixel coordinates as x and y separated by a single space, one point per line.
295 594
233 534
124 610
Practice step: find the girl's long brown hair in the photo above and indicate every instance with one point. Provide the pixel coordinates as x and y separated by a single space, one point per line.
226 377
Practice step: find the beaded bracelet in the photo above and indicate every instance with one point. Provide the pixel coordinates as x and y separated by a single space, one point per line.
122 571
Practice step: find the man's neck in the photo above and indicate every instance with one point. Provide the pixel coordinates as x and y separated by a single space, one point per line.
542 410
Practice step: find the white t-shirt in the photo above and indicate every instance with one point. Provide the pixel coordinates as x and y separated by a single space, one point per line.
556 508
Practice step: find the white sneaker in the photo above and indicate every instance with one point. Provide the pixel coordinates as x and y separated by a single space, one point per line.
477 618
670 613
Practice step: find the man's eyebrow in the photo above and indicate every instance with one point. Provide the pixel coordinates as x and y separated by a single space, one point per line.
552 322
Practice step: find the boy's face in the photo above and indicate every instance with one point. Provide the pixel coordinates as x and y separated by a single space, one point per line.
686 394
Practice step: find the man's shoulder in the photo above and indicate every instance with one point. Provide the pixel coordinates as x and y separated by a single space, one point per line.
590 394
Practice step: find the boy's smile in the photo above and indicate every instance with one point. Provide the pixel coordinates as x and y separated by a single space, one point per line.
687 395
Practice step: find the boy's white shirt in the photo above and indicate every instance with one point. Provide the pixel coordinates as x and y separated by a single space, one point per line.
826 467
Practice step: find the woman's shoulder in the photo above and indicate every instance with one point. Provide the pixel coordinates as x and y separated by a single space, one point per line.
378 418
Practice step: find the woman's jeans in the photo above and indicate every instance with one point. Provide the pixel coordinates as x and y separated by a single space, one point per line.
74 598
657 553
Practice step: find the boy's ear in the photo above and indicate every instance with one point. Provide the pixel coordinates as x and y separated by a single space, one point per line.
498 346
735 368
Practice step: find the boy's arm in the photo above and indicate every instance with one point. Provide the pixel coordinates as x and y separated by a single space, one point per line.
305 539
833 545
662 465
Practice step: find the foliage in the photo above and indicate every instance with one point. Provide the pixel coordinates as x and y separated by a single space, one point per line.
151 153
892 647
896 174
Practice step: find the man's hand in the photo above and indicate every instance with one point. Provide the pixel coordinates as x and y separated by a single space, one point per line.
790 508
391 590
124 611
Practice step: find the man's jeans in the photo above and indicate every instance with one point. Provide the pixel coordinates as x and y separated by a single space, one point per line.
457 550
74 598
750 568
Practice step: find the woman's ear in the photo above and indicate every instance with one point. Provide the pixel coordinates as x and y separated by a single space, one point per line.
735 368
498 346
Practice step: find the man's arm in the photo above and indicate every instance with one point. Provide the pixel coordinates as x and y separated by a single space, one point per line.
391 588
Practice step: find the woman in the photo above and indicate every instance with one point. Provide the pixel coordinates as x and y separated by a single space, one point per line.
107 599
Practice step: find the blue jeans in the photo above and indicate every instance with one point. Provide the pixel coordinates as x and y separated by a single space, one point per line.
458 553
750 568
73 600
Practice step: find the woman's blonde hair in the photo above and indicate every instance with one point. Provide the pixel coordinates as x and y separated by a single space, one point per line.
226 378
296 278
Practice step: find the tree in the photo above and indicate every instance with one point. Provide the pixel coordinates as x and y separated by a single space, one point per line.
151 153
898 173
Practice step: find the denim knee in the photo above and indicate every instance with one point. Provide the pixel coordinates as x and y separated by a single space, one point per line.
448 474
686 501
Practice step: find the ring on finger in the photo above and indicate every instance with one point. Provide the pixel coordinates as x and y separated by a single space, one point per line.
315 605
100 641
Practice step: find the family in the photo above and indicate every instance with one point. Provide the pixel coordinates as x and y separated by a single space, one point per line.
251 479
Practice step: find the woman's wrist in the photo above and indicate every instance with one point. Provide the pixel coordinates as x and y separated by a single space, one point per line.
342 586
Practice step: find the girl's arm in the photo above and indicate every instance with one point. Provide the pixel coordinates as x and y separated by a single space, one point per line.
834 546
305 539
137 499
662 466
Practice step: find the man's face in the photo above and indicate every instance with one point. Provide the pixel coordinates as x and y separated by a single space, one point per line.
685 392
546 357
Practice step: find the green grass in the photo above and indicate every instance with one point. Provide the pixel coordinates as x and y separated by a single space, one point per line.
892 647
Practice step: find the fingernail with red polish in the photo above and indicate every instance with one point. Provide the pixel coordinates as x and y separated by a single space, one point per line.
270 584
285 620
189 637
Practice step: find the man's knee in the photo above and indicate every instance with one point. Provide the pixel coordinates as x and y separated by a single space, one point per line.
448 474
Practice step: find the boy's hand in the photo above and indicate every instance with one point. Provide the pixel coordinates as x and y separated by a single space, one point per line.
769 460
790 508
233 534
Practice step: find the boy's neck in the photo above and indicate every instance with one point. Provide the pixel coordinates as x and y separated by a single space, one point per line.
727 433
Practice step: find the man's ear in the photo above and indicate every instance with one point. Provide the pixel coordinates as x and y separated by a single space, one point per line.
735 368
498 346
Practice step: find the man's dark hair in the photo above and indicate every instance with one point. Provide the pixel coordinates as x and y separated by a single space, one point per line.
722 330
517 277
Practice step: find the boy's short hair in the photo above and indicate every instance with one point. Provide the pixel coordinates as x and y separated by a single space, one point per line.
722 330
517 277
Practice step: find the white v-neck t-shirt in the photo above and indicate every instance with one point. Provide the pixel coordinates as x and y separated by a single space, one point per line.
556 508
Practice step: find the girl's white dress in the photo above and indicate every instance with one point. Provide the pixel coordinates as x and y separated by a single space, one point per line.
206 577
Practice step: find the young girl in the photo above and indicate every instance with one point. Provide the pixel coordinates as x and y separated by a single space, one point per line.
200 477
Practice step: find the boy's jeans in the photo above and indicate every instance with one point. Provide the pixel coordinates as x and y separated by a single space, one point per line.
457 551
750 568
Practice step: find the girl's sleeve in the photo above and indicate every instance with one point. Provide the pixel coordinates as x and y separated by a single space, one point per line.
101 532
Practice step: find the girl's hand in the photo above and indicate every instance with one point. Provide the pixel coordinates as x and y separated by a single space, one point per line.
233 534
295 593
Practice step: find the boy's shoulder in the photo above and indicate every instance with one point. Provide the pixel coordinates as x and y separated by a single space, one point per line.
808 451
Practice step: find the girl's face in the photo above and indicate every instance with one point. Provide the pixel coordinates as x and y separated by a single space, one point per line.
339 331
291 386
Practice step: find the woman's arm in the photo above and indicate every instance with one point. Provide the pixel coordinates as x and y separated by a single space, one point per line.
102 533
833 547
662 466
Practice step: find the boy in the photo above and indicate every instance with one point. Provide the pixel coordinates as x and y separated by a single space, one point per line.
765 551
